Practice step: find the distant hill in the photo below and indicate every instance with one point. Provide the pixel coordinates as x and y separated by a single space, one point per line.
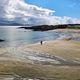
4 22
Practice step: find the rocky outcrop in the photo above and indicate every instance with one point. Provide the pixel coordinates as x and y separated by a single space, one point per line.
1 40
52 27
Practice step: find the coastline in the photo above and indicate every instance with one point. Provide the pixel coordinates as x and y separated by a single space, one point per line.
65 48
73 30
55 59
61 48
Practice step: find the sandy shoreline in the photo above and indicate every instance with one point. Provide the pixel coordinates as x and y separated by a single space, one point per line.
67 49
16 60
63 30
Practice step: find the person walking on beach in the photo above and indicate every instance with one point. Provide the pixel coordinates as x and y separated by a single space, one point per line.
41 42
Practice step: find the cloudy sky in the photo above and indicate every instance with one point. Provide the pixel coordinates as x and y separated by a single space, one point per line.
40 11
62 7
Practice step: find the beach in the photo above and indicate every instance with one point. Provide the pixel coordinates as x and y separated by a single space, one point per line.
39 40
53 60
67 49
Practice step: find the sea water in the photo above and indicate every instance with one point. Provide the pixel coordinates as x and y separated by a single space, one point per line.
14 36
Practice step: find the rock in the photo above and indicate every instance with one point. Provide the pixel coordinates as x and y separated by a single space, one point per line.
1 40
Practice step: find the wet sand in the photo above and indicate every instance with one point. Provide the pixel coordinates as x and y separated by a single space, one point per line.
62 48
59 52
54 60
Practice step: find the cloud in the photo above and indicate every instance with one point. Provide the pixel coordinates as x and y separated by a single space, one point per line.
21 12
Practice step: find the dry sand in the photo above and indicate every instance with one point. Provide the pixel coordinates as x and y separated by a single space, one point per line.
63 30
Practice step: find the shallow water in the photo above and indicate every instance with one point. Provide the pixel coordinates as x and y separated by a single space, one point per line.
15 37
